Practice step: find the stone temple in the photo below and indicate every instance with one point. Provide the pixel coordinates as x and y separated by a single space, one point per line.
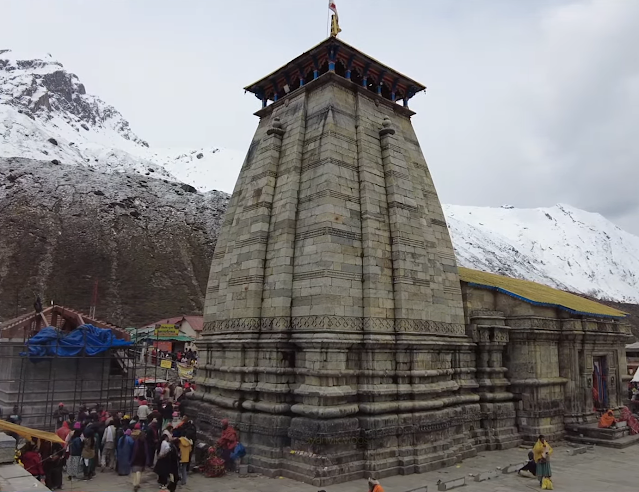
339 337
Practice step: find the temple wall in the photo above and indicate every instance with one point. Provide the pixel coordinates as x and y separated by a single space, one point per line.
334 324
549 360
338 338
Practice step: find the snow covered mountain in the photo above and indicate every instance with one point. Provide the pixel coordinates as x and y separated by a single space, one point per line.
47 114
560 246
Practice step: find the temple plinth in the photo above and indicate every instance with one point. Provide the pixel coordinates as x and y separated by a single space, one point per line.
335 335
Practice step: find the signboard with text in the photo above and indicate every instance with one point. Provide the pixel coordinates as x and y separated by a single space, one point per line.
166 363
166 331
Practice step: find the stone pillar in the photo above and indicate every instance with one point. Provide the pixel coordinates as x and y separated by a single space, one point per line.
377 381
498 424
569 367
533 370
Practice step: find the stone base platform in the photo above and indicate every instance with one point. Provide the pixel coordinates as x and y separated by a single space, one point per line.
619 437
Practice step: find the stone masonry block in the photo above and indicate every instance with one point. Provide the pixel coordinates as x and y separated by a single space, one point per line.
423 488
486 475
452 484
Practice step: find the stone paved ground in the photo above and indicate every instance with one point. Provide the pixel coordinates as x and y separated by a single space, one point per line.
600 469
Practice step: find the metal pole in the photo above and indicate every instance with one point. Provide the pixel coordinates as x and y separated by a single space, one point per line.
104 376
75 387
84 353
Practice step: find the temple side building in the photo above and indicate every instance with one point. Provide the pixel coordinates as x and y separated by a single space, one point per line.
339 337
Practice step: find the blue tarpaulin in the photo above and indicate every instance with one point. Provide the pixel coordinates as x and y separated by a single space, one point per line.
88 339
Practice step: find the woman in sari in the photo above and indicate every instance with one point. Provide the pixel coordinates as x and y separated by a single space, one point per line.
74 464
627 416
541 453
607 420
125 450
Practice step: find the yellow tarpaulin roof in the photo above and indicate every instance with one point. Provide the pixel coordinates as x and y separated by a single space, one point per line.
538 294
29 433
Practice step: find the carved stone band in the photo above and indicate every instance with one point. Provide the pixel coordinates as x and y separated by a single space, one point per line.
336 323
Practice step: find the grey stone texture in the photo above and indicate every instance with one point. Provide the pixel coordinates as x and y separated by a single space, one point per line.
14 478
338 338
486 475
599 470
38 387
452 484
7 448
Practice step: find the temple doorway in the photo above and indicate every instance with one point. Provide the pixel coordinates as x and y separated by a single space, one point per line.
600 382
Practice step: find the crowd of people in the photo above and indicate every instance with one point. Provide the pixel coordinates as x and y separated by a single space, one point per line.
187 357
157 437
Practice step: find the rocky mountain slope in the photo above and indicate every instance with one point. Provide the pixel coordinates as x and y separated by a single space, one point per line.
149 242
47 114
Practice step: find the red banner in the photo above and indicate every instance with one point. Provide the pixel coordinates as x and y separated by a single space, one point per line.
165 346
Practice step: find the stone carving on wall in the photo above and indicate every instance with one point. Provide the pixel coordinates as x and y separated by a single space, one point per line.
333 322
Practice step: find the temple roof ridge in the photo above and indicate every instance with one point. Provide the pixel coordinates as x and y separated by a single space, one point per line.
335 55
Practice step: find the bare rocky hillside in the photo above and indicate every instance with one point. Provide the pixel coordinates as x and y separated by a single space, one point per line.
149 242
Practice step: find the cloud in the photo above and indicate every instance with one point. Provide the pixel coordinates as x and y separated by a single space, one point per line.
561 129
528 103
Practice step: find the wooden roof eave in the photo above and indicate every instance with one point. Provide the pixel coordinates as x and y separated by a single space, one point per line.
293 66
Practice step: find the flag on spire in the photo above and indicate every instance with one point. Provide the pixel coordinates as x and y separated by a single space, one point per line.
335 30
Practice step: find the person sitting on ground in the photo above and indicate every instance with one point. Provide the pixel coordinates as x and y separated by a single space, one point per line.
227 442
607 420
374 485
627 416
530 467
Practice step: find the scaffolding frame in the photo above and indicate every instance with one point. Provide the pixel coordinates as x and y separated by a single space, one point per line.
110 398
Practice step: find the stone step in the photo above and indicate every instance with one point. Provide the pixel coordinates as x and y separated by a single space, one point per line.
597 433
622 442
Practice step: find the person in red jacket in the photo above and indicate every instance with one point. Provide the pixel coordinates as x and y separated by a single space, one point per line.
227 442
32 461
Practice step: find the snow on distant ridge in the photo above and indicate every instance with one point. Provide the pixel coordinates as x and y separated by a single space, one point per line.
560 246
46 114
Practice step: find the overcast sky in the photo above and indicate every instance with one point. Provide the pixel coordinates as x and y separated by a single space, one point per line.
529 102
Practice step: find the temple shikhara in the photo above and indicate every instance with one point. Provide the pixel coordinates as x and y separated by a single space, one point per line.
340 337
